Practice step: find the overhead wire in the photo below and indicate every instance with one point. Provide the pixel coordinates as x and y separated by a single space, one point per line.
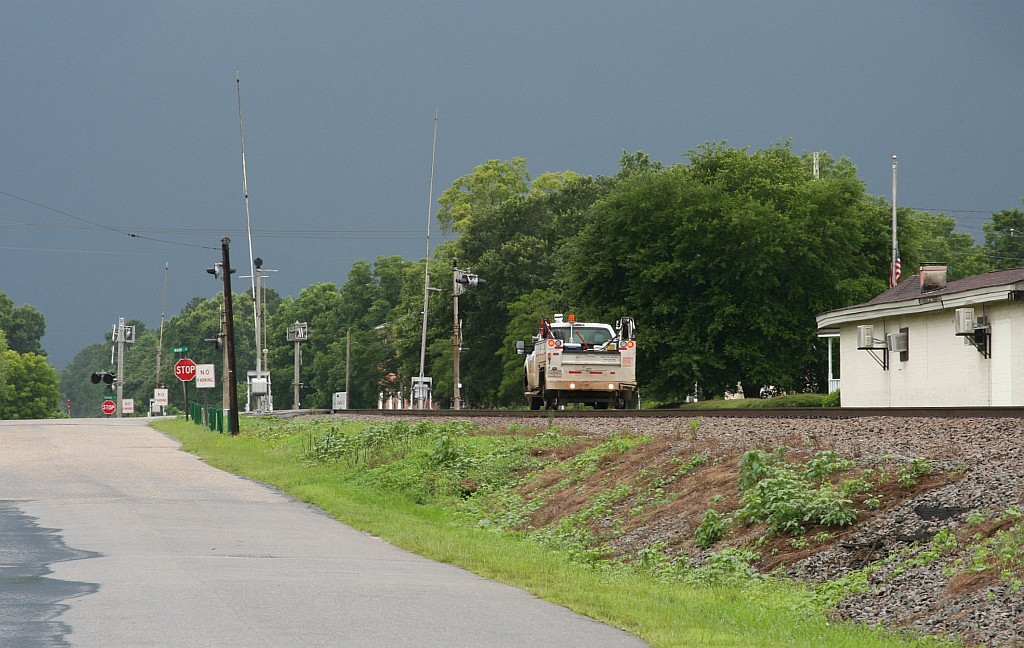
139 232
102 226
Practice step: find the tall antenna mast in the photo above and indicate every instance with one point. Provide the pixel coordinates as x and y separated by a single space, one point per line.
256 315
426 263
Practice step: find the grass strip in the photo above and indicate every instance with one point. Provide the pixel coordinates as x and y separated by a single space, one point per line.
751 614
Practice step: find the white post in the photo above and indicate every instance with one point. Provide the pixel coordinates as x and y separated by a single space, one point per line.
120 364
892 263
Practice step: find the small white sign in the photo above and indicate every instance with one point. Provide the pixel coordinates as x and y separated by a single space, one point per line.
205 376
127 405
339 401
160 397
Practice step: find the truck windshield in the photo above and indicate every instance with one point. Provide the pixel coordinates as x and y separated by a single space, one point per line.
591 335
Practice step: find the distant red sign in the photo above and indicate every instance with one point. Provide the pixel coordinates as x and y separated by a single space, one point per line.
109 407
185 369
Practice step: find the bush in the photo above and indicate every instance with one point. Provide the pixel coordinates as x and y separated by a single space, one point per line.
831 399
711 529
785 498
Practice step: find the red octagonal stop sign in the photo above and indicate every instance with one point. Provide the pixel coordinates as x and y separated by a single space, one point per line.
185 369
109 407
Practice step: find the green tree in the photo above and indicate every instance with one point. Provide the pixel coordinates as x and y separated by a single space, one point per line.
366 306
75 383
31 391
725 262
517 247
489 185
321 307
925 237
199 320
525 315
1004 239
23 325
3 366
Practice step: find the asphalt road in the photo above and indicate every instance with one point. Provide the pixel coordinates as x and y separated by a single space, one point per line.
111 536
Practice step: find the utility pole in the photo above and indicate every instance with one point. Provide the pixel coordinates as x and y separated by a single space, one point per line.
456 340
297 332
462 280
229 337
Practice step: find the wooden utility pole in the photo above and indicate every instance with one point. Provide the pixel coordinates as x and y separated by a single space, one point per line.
229 337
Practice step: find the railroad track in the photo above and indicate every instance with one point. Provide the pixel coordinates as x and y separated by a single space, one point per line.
789 412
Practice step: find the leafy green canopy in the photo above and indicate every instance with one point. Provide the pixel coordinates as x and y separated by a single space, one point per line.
30 391
23 325
725 262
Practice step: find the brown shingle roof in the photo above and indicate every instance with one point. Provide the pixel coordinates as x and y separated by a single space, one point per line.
910 288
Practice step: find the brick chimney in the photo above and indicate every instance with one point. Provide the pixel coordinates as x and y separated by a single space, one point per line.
933 277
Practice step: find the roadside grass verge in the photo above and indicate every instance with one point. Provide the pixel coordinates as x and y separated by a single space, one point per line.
424 517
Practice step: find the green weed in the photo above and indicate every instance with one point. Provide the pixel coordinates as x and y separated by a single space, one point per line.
712 529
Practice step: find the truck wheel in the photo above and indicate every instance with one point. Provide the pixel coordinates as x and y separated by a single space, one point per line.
535 403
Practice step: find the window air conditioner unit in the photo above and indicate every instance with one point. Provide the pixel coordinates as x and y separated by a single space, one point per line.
866 336
897 342
965 324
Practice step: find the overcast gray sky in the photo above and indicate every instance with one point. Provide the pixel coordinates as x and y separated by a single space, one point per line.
125 115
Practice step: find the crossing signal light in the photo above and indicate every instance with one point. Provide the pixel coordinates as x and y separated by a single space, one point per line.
104 376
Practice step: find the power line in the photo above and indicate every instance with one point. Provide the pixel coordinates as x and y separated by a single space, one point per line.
100 225
66 251
959 211
286 234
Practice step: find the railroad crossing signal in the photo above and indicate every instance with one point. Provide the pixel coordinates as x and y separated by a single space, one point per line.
104 376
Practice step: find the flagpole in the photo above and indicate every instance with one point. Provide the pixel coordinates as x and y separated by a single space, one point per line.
892 264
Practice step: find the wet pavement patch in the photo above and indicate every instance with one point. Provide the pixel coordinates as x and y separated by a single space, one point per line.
30 603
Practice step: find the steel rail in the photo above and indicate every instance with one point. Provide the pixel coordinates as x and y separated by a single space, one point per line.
787 412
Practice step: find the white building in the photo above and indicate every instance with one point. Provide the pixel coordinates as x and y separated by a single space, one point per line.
926 343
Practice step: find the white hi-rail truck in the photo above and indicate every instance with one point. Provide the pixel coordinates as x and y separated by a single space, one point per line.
581 362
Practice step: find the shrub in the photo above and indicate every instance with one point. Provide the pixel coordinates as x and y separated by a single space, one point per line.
711 529
785 498
824 464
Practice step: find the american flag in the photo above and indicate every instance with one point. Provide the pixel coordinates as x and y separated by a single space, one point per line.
895 278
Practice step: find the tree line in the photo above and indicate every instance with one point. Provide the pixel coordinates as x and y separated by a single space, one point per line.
723 260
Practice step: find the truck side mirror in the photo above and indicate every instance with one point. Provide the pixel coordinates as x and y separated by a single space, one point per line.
520 347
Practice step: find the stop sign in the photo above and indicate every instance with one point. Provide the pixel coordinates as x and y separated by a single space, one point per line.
185 369
109 407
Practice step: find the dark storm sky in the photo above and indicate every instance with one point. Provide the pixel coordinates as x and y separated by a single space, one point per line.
122 117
